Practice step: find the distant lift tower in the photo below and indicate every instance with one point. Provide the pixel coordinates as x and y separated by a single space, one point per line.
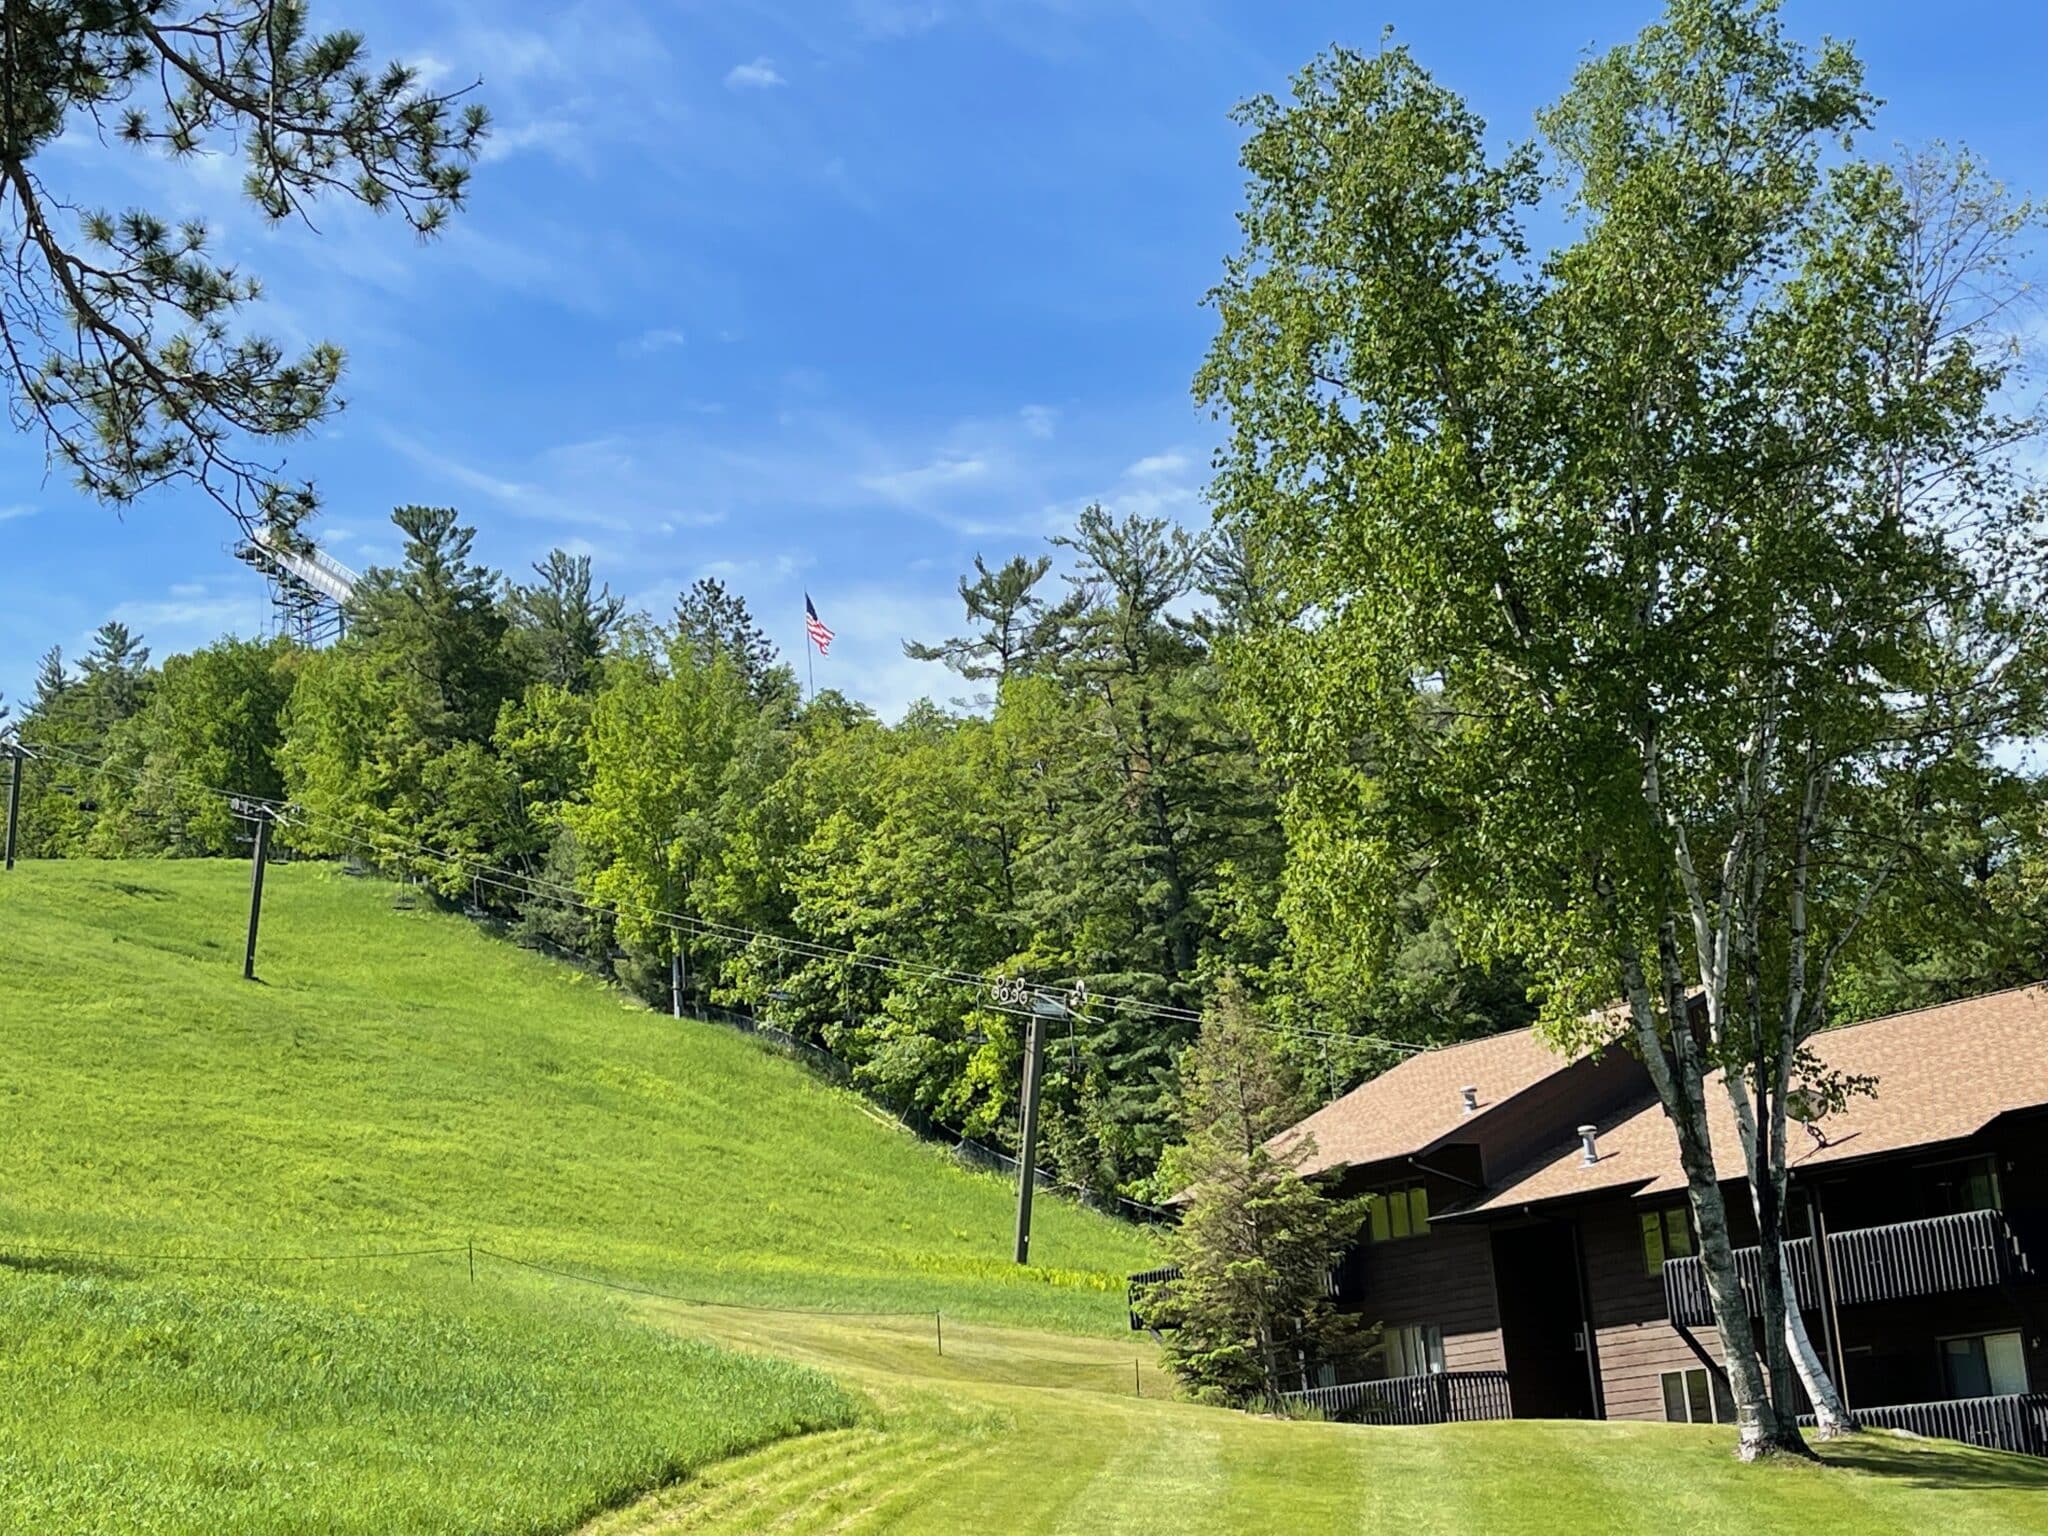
310 589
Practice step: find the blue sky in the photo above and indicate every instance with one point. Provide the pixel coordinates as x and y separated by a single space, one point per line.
825 296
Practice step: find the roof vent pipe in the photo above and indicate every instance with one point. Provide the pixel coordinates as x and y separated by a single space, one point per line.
1586 1143
1471 1097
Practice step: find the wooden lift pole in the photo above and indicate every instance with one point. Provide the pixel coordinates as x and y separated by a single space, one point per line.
256 862
1027 1149
18 758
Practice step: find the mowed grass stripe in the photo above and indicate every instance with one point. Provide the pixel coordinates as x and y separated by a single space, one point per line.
200 1405
1061 1460
828 1482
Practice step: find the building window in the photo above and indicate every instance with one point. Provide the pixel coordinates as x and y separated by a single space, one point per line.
1415 1350
1667 1234
1401 1212
1697 1396
1970 1184
1984 1365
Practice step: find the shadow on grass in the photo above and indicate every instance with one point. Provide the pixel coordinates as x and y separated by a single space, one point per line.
130 888
65 1264
1934 1463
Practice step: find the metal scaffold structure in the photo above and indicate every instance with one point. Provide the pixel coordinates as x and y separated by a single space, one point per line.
309 589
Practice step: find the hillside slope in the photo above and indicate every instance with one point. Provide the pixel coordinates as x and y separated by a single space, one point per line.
189 1161
397 1078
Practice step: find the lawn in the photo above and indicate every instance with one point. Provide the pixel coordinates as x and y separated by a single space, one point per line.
188 1404
398 1080
1065 1444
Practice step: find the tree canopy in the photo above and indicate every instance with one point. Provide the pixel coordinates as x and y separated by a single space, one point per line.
124 342
1665 596
636 795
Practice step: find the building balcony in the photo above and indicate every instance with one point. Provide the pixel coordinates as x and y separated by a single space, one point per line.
2012 1423
1444 1397
1968 1251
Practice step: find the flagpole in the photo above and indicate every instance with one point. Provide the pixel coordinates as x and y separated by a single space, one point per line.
810 663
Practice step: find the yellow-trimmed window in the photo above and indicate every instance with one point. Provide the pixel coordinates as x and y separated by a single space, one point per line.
1399 1212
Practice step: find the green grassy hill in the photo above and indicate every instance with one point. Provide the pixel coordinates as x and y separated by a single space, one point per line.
400 1081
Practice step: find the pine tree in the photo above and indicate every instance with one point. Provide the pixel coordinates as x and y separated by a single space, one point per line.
561 625
126 348
115 669
436 621
1249 1313
1018 627
52 681
712 621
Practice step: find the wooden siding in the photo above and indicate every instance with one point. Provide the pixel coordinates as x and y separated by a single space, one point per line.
1445 1280
1547 1115
1636 1343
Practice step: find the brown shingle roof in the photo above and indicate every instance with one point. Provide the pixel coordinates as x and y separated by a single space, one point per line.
1411 1107
1942 1074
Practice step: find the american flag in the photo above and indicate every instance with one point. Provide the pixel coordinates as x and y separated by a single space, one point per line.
821 637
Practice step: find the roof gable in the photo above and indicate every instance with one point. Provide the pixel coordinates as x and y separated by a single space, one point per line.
1418 1104
1942 1074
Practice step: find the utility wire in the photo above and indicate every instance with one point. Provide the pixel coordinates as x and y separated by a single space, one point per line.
379 841
43 1251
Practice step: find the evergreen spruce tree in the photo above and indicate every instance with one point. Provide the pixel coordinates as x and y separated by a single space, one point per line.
1249 1315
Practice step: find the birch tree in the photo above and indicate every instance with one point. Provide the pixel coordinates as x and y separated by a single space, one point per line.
1662 595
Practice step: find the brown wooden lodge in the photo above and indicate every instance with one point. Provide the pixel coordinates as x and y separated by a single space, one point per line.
1531 1254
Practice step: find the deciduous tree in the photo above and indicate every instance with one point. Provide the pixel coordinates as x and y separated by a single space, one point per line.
1663 595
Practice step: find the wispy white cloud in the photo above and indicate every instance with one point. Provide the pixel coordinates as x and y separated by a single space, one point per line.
185 619
1039 420
1157 466
664 338
601 482
431 70
849 187
508 492
896 18
913 487
761 75
18 509
1165 484
563 138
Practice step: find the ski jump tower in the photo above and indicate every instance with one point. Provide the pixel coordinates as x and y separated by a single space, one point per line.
309 589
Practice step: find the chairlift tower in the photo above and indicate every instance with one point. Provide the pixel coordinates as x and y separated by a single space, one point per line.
309 589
